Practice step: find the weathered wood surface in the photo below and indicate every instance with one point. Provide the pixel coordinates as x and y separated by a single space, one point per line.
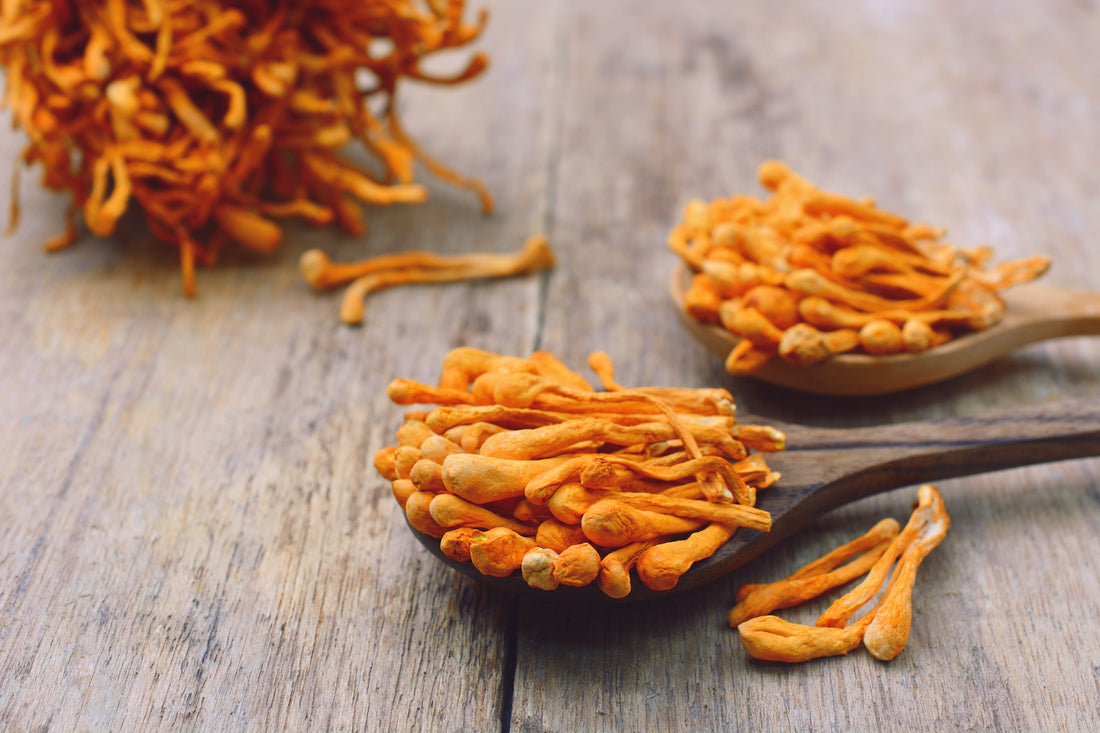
191 532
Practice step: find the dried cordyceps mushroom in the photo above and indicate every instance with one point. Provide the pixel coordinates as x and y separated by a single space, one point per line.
816 578
807 274
884 629
524 466
387 271
219 117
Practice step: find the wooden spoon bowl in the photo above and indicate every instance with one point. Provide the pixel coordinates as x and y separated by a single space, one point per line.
824 468
1033 313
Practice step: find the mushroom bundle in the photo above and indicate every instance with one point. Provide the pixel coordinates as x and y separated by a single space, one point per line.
218 118
524 466
807 274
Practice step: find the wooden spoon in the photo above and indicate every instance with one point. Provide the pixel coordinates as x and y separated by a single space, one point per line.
824 468
1033 313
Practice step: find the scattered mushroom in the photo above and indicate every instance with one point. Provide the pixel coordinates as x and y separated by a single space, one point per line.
884 630
374 274
889 631
772 639
816 578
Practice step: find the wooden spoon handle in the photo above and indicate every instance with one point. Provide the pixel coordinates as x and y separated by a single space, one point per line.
1079 309
829 468
1034 313
1051 423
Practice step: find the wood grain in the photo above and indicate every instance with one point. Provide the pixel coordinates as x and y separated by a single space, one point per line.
192 535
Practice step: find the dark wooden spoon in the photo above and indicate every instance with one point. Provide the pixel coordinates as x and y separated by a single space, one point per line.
824 468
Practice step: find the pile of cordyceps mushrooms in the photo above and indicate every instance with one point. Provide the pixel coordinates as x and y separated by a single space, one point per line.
525 468
218 118
807 274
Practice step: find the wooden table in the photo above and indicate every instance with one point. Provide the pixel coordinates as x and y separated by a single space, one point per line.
192 535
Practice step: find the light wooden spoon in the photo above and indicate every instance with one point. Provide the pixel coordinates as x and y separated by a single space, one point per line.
1033 313
824 468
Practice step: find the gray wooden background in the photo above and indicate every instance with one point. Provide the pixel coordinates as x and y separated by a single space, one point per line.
192 535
